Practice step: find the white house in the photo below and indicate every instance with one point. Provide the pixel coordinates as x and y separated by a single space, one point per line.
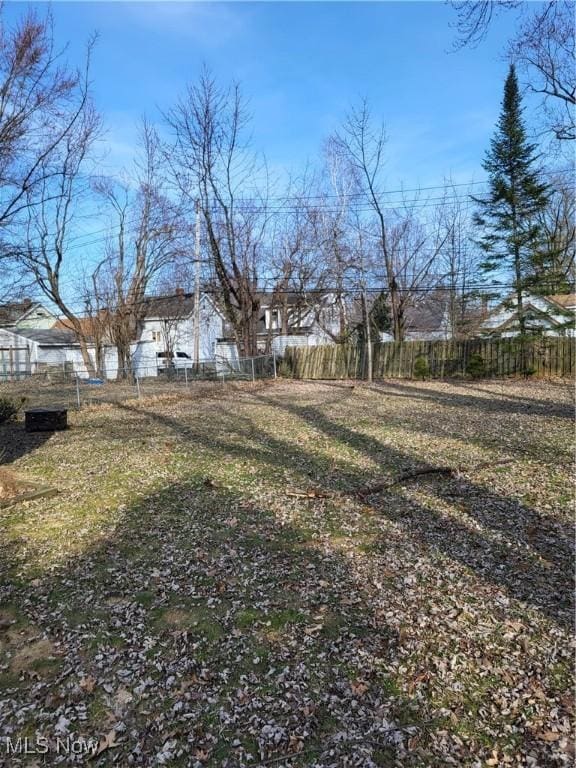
545 315
292 319
25 351
167 334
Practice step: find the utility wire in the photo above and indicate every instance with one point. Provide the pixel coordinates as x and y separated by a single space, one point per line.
390 205
479 288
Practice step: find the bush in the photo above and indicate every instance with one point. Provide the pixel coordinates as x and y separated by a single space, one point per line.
9 409
476 367
284 370
421 368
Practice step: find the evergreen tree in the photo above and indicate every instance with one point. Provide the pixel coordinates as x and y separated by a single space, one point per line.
509 217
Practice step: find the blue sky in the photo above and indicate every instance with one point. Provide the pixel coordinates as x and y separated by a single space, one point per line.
301 65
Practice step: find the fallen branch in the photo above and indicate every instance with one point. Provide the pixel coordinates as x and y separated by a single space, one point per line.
43 492
379 487
310 494
370 490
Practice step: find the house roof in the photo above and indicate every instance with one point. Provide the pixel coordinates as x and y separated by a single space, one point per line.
290 298
88 325
428 314
10 313
565 300
550 313
47 336
170 306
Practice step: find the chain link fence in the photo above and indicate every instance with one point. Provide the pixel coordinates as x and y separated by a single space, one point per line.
75 388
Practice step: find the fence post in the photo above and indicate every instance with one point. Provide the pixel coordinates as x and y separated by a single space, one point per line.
274 363
138 386
186 374
78 392
253 375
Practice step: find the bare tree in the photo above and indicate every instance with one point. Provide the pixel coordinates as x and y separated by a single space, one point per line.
407 248
543 47
39 101
555 267
213 166
292 263
474 18
150 234
54 203
457 265
330 224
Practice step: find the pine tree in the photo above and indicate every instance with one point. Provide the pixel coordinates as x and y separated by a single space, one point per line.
509 218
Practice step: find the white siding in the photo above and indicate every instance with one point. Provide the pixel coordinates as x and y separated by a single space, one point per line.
156 331
226 353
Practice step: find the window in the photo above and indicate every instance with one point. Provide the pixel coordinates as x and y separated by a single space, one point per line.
156 336
272 319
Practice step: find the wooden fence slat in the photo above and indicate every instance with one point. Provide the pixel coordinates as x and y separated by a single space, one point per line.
502 357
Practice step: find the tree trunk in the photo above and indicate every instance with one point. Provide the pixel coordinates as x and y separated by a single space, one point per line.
83 343
367 324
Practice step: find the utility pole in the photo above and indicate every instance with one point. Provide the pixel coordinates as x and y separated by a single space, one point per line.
365 312
368 333
197 290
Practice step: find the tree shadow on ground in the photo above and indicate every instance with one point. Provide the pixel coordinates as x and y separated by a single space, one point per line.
203 618
209 630
15 442
495 404
514 547
531 554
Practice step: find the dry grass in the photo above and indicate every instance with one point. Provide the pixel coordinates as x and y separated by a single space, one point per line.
205 617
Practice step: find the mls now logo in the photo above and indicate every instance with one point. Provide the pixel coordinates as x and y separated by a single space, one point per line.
41 745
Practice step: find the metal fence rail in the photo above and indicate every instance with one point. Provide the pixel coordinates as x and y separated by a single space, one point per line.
78 388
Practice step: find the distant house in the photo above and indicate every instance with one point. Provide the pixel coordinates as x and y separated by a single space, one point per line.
291 319
428 319
433 318
26 314
166 336
544 315
25 351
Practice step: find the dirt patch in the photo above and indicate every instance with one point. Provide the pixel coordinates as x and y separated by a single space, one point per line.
14 489
10 485
32 655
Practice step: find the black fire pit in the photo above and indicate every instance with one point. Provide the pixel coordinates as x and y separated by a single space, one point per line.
46 419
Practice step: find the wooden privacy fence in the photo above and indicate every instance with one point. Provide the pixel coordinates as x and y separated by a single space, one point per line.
543 357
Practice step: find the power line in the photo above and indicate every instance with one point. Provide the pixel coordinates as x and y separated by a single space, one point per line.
391 205
350 290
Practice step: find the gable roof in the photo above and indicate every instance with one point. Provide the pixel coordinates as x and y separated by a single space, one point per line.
46 336
564 300
11 312
428 314
171 306
553 312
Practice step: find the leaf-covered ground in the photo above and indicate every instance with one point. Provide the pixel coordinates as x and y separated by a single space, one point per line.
209 589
